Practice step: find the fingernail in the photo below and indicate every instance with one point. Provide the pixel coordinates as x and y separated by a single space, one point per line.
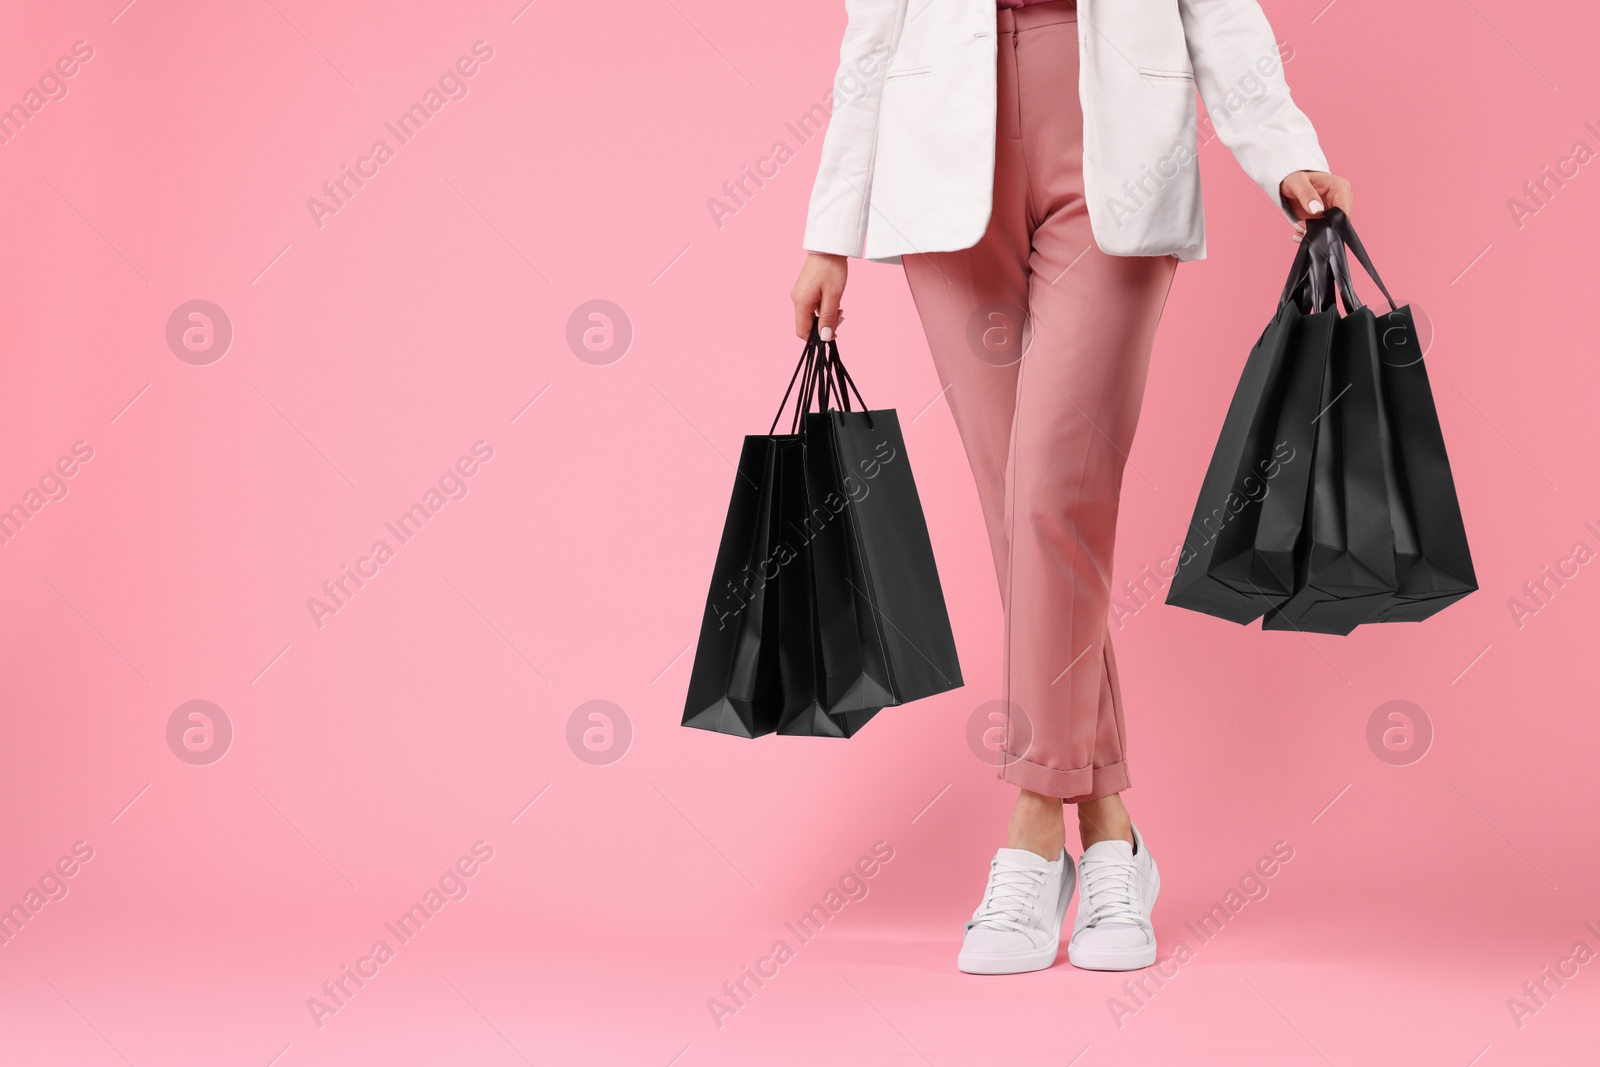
1315 207
826 333
1298 238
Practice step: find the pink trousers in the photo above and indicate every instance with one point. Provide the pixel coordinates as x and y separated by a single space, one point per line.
1043 342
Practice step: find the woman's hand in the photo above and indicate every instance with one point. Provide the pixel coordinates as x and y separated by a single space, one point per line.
1311 192
816 294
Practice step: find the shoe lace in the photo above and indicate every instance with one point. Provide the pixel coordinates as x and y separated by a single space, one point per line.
1108 891
1013 896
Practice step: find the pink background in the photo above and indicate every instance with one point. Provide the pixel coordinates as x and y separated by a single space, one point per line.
367 755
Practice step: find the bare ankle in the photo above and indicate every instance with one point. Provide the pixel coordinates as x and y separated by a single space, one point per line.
1038 824
1104 819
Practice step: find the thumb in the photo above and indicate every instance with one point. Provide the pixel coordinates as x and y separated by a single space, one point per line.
829 314
1302 195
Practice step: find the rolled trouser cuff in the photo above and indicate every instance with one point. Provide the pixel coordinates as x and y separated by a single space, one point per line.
1073 786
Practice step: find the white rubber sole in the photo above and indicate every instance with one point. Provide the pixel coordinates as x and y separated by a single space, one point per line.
1038 959
1119 959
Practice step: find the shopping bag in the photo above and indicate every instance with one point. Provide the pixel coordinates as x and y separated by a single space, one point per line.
820 635
734 686
1368 527
803 707
825 603
1220 570
1433 562
1346 562
880 548
1266 569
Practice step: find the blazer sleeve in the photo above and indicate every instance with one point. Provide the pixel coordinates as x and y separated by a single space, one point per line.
837 219
1240 76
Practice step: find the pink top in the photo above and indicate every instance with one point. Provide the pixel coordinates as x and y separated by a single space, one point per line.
1017 3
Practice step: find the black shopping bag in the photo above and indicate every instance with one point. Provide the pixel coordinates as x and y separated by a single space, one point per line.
836 670
858 457
1267 569
772 632
1220 571
1346 563
1431 553
800 626
1433 563
1370 529
825 603
756 663
734 687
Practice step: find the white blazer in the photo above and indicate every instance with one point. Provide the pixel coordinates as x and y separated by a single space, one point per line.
908 159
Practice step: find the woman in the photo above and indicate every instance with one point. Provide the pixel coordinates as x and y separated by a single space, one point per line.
1033 169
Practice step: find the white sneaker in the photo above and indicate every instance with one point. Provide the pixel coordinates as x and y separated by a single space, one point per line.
1017 927
1112 930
